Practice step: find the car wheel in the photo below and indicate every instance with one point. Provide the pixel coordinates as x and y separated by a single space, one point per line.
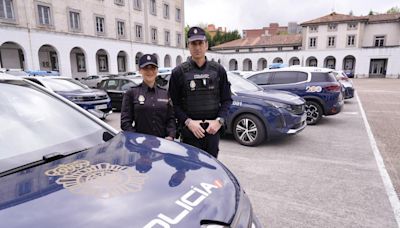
314 112
248 130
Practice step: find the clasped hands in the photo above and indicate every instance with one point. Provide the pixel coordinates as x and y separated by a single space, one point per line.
195 126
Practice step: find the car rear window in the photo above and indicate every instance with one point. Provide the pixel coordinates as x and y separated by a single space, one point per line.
322 77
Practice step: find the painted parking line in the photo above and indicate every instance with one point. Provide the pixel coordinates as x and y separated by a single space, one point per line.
391 193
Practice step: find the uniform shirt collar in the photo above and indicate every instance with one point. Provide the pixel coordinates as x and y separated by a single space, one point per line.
194 64
147 88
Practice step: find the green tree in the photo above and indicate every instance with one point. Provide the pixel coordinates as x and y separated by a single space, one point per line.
395 9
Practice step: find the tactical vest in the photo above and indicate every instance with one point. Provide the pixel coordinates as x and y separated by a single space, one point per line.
201 98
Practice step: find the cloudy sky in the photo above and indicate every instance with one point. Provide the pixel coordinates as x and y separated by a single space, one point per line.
252 14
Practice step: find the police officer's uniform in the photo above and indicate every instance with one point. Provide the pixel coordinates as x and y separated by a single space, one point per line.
148 110
200 93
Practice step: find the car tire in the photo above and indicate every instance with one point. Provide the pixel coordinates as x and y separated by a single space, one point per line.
249 130
314 112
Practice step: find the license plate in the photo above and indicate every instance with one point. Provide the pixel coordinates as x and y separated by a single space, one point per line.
103 106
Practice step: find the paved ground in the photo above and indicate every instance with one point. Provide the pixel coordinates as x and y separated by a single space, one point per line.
381 102
326 176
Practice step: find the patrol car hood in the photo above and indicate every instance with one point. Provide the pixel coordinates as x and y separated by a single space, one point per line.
82 92
274 95
133 180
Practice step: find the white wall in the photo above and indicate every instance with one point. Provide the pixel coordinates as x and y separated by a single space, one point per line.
390 30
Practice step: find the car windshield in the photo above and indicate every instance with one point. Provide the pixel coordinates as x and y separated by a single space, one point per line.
239 84
64 84
34 123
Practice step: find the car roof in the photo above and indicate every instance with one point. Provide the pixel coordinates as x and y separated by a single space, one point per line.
4 76
300 68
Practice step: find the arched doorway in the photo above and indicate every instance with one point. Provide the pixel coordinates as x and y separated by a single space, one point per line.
349 64
122 60
102 61
261 64
12 56
277 60
330 62
48 58
233 64
294 61
77 58
167 61
178 60
312 61
247 65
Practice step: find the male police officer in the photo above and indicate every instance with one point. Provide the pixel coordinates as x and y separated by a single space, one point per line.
147 106
201 95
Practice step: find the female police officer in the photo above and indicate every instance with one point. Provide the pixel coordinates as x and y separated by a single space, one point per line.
147 107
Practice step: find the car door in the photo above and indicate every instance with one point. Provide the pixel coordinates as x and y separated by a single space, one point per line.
111 87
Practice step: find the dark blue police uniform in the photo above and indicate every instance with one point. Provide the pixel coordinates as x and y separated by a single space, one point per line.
148 110
200 93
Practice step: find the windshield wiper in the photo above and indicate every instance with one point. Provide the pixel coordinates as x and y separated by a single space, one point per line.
45 159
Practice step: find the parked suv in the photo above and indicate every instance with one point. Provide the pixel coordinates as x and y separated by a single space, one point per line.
318 86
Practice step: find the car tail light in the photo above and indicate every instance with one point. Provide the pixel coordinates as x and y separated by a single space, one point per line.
333 88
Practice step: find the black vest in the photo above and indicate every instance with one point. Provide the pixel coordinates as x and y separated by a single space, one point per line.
201 98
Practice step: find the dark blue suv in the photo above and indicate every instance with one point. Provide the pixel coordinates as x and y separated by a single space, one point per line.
256 114
318 86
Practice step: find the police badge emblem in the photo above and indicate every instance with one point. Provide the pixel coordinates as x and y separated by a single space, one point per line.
148 57
195 31
141 99
192 85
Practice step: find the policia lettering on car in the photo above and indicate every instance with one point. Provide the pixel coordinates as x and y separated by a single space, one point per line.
186 205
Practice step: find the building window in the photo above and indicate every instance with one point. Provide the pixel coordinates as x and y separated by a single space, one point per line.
119 2
314 28
137 4
7 10
166 11
178 14
331 41
80 62
351 26
100 25
167 38
313 42
178 39
279 48
44 15
121 29
332 27
351 40
153 34
74 21
121 60
153 7
103 63
138 32
379 41
295 47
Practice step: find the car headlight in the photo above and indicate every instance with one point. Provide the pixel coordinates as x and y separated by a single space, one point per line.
75 98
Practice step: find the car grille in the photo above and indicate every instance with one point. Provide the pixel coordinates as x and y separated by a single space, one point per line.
94 98
297 109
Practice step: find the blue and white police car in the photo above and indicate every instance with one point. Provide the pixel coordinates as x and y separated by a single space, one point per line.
62 167
256 115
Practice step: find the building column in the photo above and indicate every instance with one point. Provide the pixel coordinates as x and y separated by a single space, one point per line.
113 62
91 63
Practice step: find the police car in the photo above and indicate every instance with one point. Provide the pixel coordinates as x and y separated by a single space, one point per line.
62 167
256 115
318 86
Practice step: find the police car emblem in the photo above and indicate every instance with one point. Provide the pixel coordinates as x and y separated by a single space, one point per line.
192 85
103 180
195 31
141 99
148 57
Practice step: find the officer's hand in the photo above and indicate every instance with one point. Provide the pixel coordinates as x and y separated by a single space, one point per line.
169 138
213 126
195 127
